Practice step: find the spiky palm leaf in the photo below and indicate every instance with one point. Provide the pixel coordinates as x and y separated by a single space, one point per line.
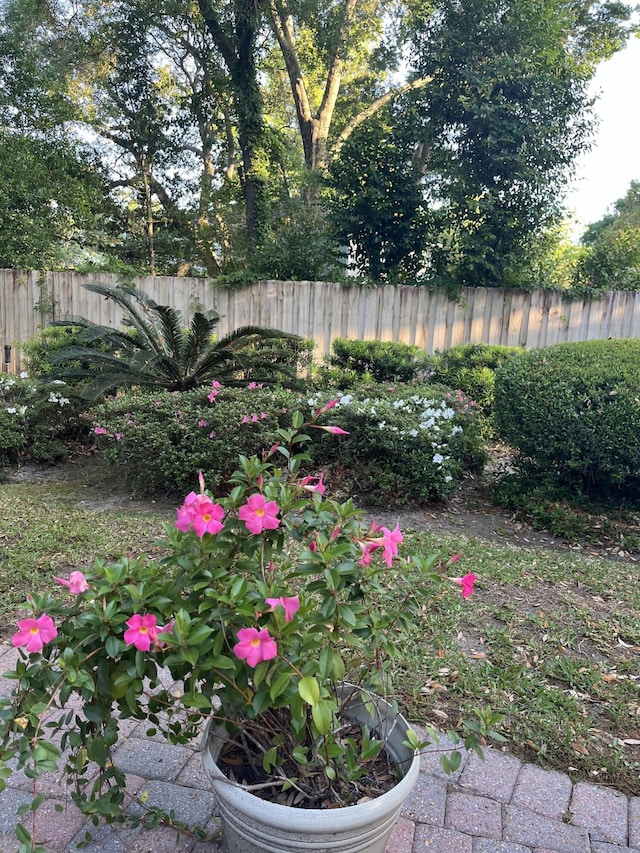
160 353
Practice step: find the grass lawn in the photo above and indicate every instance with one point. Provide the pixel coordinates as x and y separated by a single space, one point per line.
550 640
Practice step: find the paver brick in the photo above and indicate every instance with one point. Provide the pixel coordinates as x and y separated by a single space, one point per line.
474 815
401 840
427 801
151 759
634 821
10 801
430 755
534 830
189 805
495 776
603 811
605 847
486 845
435 839
546 792
54 830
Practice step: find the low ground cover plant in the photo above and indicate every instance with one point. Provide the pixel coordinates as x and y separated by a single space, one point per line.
572 412
405 444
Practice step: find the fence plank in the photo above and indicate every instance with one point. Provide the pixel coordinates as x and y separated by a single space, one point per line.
321 311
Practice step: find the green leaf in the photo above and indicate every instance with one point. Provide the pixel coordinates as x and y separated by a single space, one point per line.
269 759
309 690
280 685
322 714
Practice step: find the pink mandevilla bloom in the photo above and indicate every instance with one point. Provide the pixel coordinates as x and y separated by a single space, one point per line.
259 514
391 540
142 632
308 484
34 633
199 513
466 583
334 430
77 583
255 646
290 605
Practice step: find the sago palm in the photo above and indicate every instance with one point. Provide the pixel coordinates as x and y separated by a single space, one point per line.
156 350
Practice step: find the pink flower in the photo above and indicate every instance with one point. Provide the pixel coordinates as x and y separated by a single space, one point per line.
203 423
200 514
164 629
76 583
254 385
327 406
100 431
117 436
334 430
466 583
245 420
255 646
259 514
215 388
207 517
289 604
142 632
212 434
34 633
308 484
391 540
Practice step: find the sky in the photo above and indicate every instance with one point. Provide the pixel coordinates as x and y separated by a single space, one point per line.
604 173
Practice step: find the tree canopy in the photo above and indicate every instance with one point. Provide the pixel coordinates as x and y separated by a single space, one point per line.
207 137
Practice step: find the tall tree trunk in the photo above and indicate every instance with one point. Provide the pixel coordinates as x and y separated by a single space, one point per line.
237 45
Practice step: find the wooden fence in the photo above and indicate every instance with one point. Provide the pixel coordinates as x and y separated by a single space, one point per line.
324 311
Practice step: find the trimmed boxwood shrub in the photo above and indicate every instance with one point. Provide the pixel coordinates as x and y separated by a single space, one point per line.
406 444
471 368
573 411
157 441
379 360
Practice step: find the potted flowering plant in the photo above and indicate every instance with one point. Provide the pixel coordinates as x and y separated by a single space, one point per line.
278 610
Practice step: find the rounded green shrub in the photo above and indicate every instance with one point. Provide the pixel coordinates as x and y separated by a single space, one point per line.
573 411
158 441
404 445
383 361
471 368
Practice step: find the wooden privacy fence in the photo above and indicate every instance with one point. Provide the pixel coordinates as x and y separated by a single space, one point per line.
324 311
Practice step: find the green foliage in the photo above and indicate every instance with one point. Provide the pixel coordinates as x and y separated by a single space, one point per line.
158 441
158 352
273 560
53 200
471 368
610 258
572 411
383 361
377 199
38 420
40 349
404 445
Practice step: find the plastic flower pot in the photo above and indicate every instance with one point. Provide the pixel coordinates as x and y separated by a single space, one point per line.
251 824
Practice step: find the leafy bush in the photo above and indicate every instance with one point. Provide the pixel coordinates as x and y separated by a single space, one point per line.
158 441
404 445
38 350
471 368
383 361
573 411
38 420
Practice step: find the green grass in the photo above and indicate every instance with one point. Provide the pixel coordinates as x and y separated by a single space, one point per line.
551 640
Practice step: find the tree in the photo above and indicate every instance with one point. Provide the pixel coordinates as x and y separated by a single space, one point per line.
493 135
610 258
53 203
156 351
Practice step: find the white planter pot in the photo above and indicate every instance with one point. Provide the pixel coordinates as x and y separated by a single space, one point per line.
253 825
